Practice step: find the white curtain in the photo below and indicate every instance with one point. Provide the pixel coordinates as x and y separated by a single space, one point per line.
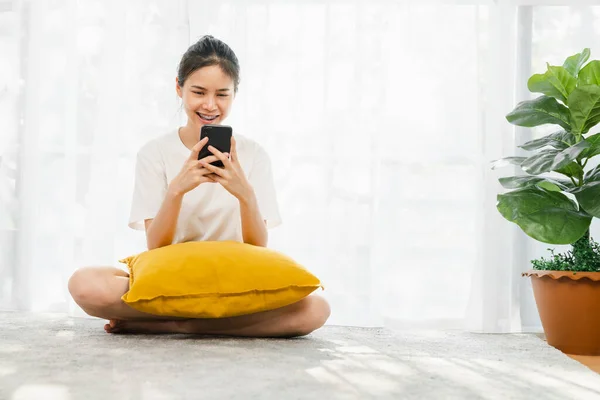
381 119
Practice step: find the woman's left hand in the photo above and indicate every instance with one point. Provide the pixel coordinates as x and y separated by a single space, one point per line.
231 177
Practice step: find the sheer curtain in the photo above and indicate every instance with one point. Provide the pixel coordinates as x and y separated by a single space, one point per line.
381 120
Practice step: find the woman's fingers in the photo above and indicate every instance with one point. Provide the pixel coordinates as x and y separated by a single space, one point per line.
216 170
224 159
233 150
218 179
208 159
203 171
196 149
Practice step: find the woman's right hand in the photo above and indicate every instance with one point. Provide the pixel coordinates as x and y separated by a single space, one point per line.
192 173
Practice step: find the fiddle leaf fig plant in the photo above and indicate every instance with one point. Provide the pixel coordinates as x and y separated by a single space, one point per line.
557 197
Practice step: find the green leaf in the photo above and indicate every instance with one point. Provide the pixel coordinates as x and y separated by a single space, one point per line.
556 82
584 104
565 182
543 110
540 162
594 148
550 186
555 160
572 170
517 182
587 196
559 140
550 217
503 162
593 174
590 74
570 154
573 64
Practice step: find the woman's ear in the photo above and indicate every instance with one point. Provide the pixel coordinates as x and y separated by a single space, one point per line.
177 87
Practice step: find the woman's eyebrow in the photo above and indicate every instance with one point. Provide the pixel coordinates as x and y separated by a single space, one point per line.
218 90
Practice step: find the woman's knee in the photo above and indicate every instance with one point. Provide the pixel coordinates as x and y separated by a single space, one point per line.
313 312
89 288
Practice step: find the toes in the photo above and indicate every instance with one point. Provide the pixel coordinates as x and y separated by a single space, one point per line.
113 326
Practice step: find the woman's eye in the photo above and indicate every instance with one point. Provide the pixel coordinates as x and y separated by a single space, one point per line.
200 93
223 95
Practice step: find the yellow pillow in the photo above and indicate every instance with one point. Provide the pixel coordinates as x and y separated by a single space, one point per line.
214 280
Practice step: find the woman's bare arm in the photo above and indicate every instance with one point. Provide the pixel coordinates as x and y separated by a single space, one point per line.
254 229
161 229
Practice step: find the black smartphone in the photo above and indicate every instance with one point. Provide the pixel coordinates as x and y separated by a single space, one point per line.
219 136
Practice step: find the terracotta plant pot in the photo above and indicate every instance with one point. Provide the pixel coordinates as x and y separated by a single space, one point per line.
569 307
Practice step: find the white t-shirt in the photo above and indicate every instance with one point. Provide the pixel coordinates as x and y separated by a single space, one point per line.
208 212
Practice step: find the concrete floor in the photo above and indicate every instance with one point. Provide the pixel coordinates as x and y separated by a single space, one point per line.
54 357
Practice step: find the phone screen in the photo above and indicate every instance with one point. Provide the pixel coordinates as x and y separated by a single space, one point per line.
219 136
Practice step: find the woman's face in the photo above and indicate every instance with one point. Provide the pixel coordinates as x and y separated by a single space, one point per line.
207 96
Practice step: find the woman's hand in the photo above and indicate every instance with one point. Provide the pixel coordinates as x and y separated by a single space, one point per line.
192 173
231 177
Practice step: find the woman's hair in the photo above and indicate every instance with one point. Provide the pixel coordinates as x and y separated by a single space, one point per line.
205 52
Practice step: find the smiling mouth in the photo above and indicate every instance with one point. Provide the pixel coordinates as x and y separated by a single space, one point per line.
206 117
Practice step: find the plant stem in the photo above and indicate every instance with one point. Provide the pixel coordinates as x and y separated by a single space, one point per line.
573 180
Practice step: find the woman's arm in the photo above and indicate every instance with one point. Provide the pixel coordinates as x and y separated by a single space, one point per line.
161 230
254 229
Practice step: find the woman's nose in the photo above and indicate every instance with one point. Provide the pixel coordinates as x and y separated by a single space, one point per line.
209 103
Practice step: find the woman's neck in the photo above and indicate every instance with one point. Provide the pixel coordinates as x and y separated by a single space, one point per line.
188 135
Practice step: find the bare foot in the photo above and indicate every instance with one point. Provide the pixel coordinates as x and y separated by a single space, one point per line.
114 326
144 326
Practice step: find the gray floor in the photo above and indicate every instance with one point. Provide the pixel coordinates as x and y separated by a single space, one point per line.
52 357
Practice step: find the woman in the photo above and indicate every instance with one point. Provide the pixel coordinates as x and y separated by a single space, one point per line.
199 202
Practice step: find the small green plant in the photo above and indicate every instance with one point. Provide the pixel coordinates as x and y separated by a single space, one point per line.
584 256
557 198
